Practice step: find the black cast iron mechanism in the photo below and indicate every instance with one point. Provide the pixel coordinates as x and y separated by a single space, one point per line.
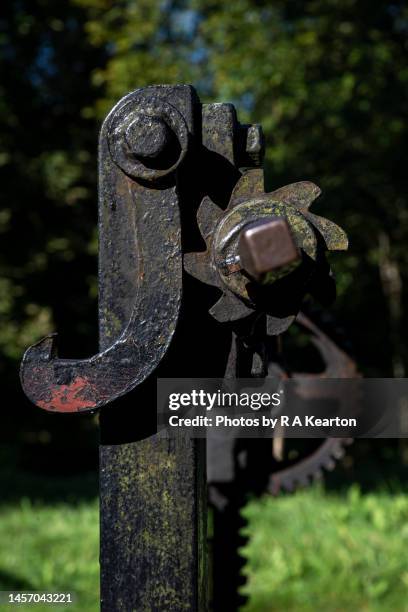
263 251
200 272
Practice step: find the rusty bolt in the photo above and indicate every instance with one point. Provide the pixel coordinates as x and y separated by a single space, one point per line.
255 145
268 247
147 136
149 140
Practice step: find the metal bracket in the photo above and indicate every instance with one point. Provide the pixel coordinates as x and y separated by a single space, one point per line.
264 250
161 152
142 142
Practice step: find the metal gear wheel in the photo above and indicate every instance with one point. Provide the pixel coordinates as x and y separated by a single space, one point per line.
289 463
309 463
280 291
309 468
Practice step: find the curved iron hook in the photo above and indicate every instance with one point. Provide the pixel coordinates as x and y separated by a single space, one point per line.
140 250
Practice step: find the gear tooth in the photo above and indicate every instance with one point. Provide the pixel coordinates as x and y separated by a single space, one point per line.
334 237
198 265
229 308
208 215
301 194
311 468
249 185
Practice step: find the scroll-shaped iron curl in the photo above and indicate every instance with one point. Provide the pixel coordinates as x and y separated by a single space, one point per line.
142 142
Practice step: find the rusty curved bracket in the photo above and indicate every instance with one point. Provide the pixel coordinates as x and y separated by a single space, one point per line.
140 251
67 385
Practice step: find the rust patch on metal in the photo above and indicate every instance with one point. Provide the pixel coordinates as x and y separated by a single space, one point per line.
291 259
140 238
69 398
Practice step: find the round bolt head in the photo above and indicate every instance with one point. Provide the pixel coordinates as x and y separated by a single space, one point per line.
147 136
268 247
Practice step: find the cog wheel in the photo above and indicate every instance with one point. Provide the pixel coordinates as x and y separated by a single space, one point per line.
282 463
306 460
278 293
309 468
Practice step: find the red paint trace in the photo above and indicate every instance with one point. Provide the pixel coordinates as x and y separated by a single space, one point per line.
70 398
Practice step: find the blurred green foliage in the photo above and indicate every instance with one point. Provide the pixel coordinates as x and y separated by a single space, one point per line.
314 551
326 79
48 173
308 551
55 549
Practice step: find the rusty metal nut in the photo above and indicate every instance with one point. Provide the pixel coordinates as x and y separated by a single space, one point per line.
266 247
147 138
255 144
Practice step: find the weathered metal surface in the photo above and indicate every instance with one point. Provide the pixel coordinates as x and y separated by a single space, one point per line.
220 265
337 365
153 554
223 465
254 146
148 136
219 134
144 225
237 468
310 467
153 494
267 247
153 518
160 153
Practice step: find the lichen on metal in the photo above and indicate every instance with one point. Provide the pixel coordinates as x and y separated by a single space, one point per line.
161 153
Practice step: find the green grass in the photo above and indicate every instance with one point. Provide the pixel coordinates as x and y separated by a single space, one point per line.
313 550
327 552
53 548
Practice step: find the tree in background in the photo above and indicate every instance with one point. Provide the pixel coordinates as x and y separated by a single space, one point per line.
48 205
48 170
326 79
